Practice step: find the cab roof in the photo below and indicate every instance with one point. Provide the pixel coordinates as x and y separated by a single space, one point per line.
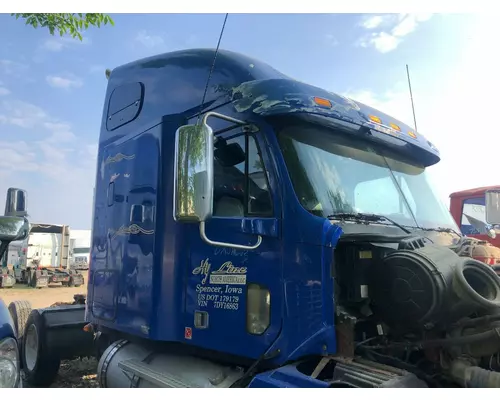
479 191
174 83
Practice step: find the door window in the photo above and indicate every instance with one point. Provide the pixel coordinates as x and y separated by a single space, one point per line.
240 181
474 217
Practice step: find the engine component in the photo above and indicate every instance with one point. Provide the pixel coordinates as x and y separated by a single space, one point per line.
463 372
478 249
125 364
431 286
484 339
352 264
361 373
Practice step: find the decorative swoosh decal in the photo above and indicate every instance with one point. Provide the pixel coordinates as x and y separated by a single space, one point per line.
133 229
117 158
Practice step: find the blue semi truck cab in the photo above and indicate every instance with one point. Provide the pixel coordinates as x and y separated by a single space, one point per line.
250 230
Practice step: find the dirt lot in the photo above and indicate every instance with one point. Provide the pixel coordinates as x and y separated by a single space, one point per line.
78 373
44 297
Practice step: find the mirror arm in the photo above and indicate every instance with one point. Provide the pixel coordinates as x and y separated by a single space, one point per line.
222 244
222 116
249 127
4 246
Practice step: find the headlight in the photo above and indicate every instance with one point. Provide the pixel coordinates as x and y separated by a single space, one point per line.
9 363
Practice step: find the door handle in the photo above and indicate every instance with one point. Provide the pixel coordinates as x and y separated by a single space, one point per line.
223 244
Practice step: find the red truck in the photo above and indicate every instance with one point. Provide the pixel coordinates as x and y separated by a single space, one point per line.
468 208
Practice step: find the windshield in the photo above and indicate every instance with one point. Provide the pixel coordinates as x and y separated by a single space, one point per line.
81 250
333 173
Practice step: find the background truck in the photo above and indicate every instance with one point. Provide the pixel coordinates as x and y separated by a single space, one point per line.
79 249
44 258
468 208
250 230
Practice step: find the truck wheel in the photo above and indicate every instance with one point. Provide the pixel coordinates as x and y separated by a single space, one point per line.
79 281
20 311
39 365
32 281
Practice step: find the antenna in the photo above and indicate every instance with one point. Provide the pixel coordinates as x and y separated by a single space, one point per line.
212 68
411 98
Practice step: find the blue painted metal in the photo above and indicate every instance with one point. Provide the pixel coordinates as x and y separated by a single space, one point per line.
285 377
141 278
6 323
284 96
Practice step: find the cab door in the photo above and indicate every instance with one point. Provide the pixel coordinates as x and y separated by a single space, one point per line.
234 296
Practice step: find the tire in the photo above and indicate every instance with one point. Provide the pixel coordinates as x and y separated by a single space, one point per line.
82 280
33 279
20 311
39 365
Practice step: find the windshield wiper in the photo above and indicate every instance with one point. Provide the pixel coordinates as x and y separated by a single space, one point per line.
439 229
366 218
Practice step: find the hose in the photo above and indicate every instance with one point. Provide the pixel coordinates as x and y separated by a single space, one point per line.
473 322
473 377
452 341
461 340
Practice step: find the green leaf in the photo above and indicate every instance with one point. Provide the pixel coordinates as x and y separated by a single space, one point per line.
74 23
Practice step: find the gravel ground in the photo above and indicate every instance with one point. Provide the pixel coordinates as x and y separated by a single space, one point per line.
79 373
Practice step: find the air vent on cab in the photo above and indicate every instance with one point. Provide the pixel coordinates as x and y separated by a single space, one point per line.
412 243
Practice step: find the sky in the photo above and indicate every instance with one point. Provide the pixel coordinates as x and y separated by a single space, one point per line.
52 88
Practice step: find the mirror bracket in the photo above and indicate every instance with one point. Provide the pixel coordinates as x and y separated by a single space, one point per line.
197 187
223 244
246 126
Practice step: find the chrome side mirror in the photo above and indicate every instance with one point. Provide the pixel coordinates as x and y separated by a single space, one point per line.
13 228
193 176
14 225
16 203
492 201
